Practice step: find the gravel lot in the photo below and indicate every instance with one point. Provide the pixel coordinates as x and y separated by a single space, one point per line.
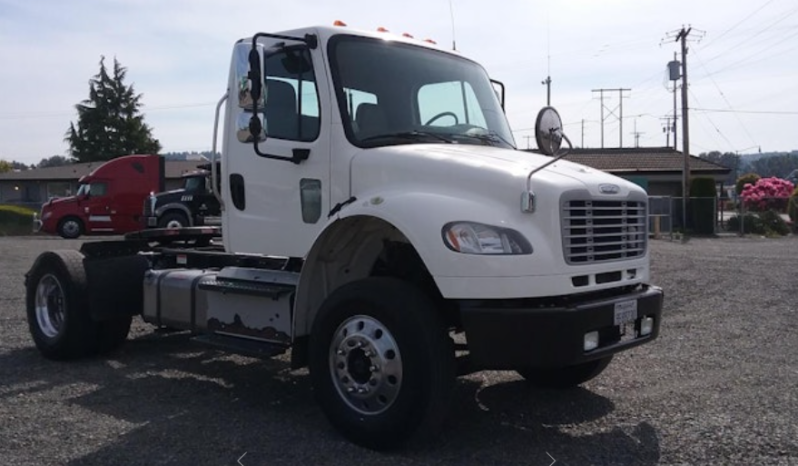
717 387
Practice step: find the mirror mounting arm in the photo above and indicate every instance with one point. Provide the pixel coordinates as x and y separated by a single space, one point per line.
255 75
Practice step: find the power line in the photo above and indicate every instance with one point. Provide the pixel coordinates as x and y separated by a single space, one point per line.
712 122
22 116
727 101
767 28
760 112
738 23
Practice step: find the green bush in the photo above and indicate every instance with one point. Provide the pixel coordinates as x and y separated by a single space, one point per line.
774 224
768 223
752 224
15 220
751 178
702 205
792 206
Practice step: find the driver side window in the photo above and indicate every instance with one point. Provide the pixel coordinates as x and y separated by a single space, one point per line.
448 104
97 189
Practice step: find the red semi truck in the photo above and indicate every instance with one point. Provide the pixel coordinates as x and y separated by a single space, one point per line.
109 199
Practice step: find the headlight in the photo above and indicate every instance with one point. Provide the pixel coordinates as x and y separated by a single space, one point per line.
476 238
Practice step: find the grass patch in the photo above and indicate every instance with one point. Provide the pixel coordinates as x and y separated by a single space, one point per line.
16 220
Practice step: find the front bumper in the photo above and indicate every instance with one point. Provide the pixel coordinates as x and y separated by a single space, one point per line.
517 333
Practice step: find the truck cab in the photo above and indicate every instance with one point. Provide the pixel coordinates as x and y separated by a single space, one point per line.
381 225
108 200
193 204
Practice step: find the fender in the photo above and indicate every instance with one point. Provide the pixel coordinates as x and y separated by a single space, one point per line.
176 206
416 217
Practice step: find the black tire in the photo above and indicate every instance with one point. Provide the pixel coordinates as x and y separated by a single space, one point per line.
68 332
76 334
70 228
424 355
564 377
173 218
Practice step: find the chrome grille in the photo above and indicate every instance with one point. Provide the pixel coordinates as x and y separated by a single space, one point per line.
602 231
147 208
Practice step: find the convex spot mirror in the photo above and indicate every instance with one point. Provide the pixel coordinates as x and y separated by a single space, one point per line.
548 131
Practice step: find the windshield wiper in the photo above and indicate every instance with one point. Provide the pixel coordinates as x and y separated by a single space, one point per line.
489 137
412 135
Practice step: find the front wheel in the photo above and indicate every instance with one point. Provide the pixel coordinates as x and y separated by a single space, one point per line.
564 377
382 363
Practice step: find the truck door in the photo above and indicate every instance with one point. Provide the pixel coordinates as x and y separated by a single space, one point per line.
274 206
97 208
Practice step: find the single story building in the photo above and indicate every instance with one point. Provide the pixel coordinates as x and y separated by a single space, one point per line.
657 169
34 187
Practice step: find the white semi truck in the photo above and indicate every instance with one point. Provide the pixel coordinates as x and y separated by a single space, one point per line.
380 226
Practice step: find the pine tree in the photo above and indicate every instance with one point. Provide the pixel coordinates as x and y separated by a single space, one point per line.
110 124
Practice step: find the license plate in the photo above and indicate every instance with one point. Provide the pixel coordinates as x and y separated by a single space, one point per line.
625 312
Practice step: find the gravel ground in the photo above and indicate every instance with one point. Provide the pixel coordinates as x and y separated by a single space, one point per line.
717 387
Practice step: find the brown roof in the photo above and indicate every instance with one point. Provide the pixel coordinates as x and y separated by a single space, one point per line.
73 172
642 160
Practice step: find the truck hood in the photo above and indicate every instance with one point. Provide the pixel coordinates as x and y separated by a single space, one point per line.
475 168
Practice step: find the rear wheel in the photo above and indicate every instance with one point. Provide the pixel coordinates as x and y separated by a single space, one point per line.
70 227
382 363
564 377
58 311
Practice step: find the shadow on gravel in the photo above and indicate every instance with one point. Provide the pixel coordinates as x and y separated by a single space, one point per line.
192 406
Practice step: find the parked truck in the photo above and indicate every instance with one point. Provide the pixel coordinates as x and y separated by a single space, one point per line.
382 229
193 204
108 200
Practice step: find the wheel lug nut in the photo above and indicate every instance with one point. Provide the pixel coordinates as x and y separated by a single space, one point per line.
350 390
374 369
340 352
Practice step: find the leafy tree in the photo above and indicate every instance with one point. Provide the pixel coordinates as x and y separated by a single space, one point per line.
5 166
728 160
110 124
54 161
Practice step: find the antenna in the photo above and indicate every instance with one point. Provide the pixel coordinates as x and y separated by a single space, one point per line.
451 12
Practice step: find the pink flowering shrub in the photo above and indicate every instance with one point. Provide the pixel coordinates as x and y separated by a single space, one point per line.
767 194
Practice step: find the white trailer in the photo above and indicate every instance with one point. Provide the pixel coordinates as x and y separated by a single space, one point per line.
375 210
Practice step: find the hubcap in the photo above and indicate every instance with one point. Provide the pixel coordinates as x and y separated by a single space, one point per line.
71 227
365 365
174 224
50 306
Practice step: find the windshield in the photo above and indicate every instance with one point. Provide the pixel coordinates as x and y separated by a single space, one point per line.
393 93
194 183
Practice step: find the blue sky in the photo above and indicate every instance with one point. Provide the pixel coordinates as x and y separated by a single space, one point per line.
744 69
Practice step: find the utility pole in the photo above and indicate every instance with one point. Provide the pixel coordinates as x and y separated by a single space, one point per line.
583 133
547 83
675 118
637 134
667 128
681 36
619 107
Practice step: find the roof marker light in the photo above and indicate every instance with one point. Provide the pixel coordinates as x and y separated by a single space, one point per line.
430 41
406 35
338 22
382 29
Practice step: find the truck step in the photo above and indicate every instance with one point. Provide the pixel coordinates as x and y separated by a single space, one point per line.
242 346
268 290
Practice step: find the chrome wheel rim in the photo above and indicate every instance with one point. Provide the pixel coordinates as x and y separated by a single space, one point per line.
365 365
174 224
50 306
